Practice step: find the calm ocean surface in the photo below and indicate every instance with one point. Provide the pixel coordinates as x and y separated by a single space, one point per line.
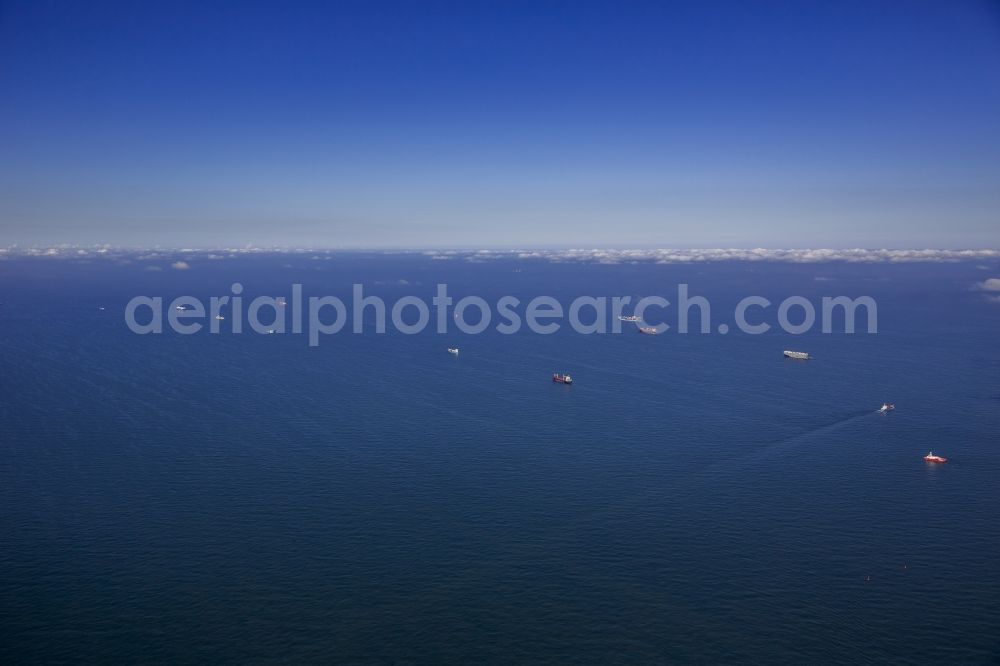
692 498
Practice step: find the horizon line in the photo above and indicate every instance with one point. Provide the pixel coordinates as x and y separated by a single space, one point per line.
482 255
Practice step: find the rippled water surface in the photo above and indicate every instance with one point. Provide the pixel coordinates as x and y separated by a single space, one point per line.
236 498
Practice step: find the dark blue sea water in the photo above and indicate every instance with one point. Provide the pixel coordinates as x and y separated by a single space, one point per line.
247 498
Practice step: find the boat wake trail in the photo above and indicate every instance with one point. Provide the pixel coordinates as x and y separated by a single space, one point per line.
741 460
715 473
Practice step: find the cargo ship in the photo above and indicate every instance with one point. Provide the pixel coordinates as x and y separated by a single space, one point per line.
629 318
931 458
561 379
799 355
648 330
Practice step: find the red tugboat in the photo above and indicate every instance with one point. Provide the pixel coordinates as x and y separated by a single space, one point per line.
931 458
561 379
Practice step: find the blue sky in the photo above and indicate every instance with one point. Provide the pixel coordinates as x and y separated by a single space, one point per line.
428 124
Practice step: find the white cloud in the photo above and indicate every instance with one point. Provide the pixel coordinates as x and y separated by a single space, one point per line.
180 265
992 284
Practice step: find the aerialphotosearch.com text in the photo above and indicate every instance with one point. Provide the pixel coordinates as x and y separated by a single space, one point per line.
318 316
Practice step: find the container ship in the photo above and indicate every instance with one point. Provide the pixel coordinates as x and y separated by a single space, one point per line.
561 379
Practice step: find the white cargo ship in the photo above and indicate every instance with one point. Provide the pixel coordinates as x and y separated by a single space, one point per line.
795 354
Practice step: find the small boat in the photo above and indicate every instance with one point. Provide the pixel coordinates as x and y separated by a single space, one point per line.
629 318
180 307
271 331
931 458
799 355
453 350
561 379
649 330
219 317
886 407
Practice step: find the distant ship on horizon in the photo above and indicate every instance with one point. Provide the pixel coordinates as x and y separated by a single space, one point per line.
795 354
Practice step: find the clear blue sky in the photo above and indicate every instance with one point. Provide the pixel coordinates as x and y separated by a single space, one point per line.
429 124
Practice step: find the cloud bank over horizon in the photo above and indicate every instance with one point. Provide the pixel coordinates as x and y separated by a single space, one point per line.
802 256
182 258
